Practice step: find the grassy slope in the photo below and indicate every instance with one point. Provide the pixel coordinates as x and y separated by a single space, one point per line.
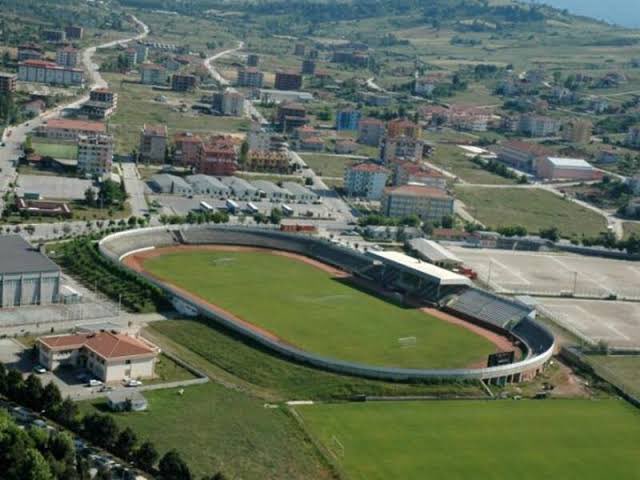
534 209
482 440
625 368
308 308
215 429
327 165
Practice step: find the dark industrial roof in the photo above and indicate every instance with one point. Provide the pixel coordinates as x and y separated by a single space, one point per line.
18 256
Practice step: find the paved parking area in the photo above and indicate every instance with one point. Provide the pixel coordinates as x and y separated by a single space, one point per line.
51 187
14 355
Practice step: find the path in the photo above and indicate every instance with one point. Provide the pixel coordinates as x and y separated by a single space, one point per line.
208 64
135 188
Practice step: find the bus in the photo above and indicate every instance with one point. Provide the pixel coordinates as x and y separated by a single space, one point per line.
205 207
287 210
232 206
251 208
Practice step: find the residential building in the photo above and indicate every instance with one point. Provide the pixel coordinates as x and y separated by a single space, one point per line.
609 155
33 108
311 144
53 36
299 49
428 203
153 74
371 131
101 104
366 180
153 143
288 81
183 83
633 136
402 126
424 86
410 172
354 58
27 276
208 185
42 71
267 161
142 52
250 77
187 149
521 155
219 156
284 96
131 54
577 131
347 119
67 56
110 357
555 168
240 188
64 129
271 191
230 102
598 105
253 60
30 51
456 116
308 67
170 184
73 32
539 126
401 148
291 116
299 193
375 99
260 139
345 146
7 83
95 155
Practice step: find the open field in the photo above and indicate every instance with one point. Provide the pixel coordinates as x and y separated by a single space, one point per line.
480 439
219 429
328 165
307 307
534 209
453 159
56 150
626 368
230 358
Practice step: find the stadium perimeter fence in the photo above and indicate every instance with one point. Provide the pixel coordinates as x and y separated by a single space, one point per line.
301 244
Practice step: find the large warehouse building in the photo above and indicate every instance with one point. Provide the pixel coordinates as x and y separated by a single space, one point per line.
27 277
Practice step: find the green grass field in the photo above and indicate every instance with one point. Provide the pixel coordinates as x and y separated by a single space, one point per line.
452 158
308 308
219 429
482 440
328 165
56 150
532 208
623 368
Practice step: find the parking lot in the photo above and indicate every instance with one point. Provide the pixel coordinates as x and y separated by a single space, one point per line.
51 187
551 273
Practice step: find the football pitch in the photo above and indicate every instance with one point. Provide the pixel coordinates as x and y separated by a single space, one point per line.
307 307
527 439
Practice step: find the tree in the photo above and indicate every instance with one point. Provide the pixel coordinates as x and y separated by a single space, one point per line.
244 153
275 216
125 444
100 429
90 197
447 221
30 229
14 384
34 467
172 467
32 392
51 397
551 233
67 414
145 456
28 145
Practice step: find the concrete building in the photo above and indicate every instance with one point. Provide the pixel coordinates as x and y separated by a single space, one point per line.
170 184
428 203
230 102
345 146
183 83
152 74
308 67
288 81
102 103
240 188
424 86
434 253
131 54
555 168
347 119
142 52
219 156
403 127
291 116
73 32
267 161
95 155
577 131
366 180
30 51
299 193
311 144
401 148
299 49
253 60
271 191
70 130
250 77
410 172
208 185
41 71
371 131
260 139
153 143
110 357
633 137
539 126
67 56
27 277
187 148
53 36
521 155
7 82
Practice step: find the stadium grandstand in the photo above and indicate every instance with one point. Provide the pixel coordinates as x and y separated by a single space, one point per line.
395 271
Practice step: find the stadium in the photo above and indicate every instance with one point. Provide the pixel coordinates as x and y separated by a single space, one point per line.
374 276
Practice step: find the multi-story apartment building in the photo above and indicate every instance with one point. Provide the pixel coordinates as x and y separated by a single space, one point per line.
7 83
53 36
308 67
67 56
250 77
253 60
101 104
153 74
371 131
70 130
291 115
633 137
539 126
42 71
153 143
577 131
187 148
95 155
29 51
267 161
219 156
428 203
73 32
402 126
366 180
401 148
230 102
288 81
183 83
410 172
347 119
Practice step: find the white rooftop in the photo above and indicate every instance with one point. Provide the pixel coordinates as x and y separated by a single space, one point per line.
416 266
569 162
432 251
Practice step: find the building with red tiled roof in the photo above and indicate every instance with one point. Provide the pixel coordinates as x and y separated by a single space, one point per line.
403 127
42 71
430 204
409 172
110 357
66 129
524 156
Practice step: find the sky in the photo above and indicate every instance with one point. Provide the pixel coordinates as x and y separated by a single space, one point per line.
621 12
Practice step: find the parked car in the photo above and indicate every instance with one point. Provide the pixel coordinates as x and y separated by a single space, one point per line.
133 383
94 383
39 369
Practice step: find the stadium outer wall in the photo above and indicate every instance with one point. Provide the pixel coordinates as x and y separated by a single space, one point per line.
119 245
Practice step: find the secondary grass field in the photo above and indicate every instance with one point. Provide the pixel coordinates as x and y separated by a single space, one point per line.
480 439
623 368
328 165
308 308
56 150
534 209
219 429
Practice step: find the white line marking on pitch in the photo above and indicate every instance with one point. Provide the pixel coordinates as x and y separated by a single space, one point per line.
514 273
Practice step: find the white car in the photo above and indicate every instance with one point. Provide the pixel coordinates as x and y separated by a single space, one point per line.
133 383
94 383
39 369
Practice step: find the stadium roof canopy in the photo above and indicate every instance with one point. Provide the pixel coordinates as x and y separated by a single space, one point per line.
419 268
433 251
